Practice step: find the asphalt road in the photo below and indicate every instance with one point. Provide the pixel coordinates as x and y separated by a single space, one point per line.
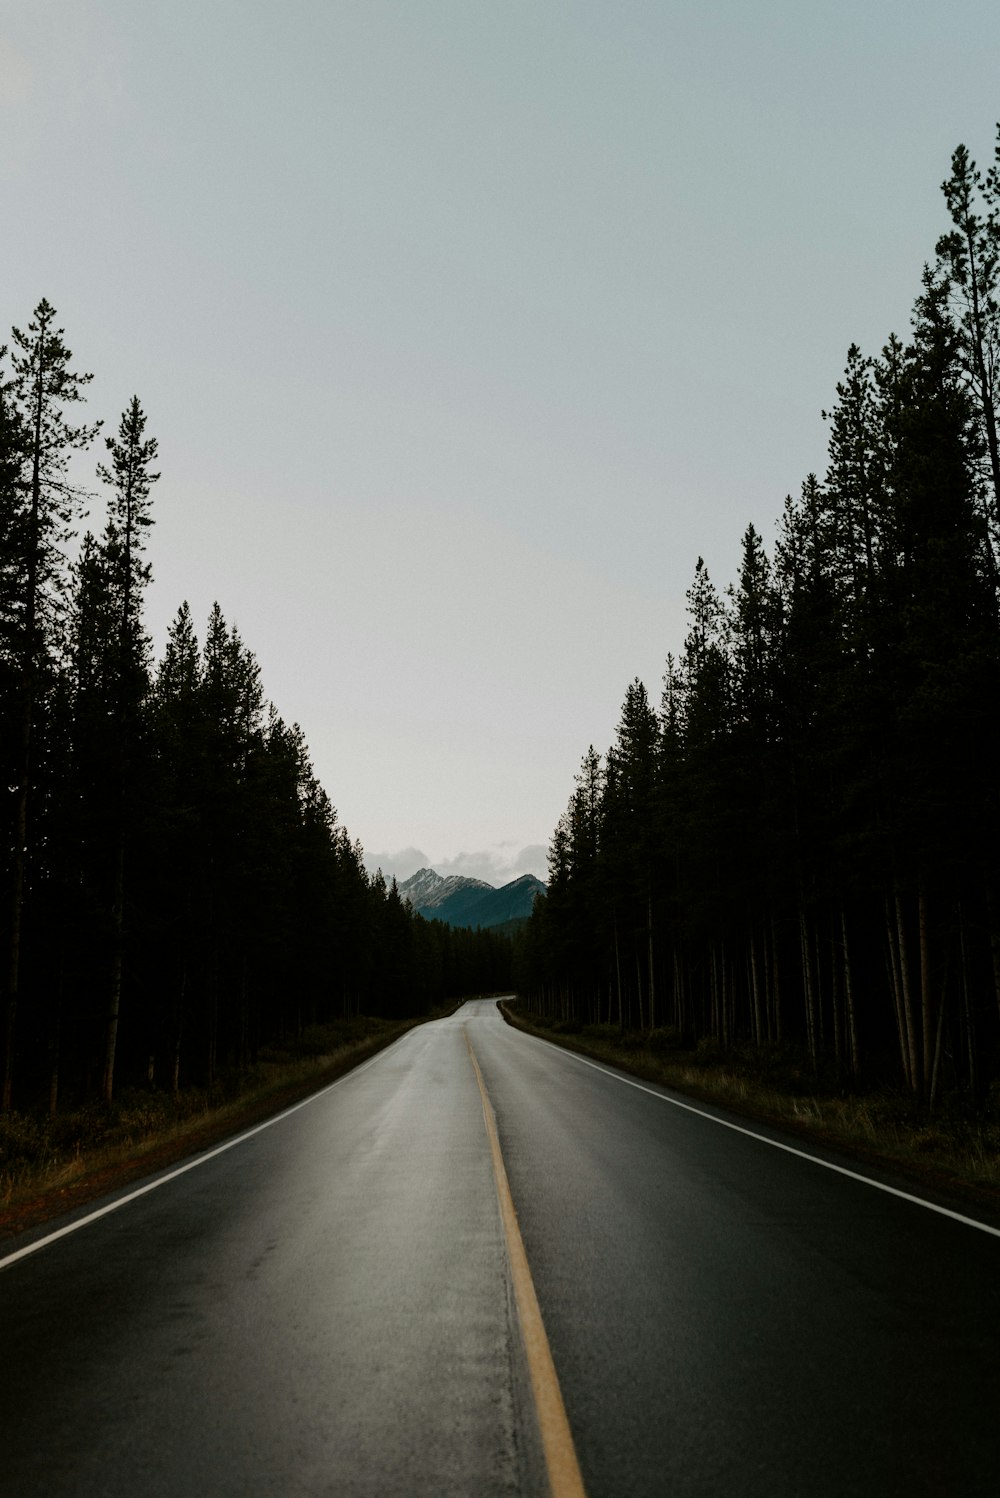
326 1307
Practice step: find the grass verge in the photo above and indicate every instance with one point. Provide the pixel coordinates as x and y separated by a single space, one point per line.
952 1154
49 1166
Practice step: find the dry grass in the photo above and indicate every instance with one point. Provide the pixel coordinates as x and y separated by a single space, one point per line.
953 1151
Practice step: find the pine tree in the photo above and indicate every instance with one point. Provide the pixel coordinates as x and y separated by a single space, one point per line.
42 386
704 665
175 793
969 277
630 817
13 516
855 483
129 517
13 445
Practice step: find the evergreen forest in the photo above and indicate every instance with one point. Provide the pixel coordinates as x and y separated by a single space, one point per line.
178 890
796 847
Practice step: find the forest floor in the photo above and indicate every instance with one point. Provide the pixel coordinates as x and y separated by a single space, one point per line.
50 1166
952 1154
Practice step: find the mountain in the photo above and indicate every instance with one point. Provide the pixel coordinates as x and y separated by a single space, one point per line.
511 902
459 901
426 890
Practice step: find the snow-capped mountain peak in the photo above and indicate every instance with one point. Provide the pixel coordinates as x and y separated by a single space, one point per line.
426 889
460 901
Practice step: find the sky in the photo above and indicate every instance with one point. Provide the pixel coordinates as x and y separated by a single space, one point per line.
465 328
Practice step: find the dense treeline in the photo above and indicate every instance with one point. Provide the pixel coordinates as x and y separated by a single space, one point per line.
178 889
800 845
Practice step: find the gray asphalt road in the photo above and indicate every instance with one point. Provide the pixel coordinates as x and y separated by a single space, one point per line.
325 1308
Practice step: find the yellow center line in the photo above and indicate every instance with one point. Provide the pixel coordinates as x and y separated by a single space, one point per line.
557 1439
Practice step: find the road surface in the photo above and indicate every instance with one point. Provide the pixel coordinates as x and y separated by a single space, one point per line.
330 1306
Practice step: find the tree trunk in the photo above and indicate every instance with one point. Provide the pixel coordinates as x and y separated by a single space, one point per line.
774 989
54 1043
715 1018
678 991
927 1041
652 981
758 1034
618 977
115 988
935 1068
836 1007
993 917
970 1035
17 907
896 988
906 995
175 1074
808 988
852 1024
213 1017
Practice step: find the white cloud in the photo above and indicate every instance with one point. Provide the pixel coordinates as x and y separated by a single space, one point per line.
497 865
488 865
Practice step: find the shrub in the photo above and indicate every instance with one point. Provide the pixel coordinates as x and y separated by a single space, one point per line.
708 1051
663 1039
23 1141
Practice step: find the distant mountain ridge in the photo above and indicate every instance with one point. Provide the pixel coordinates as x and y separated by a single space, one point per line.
459 901
425 889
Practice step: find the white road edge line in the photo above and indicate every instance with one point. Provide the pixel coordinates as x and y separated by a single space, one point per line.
220 1149
906 1196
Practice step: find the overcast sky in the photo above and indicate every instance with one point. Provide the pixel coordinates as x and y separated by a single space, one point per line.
466 327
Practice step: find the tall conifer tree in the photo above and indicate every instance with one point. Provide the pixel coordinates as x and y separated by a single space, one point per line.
130 478
43 385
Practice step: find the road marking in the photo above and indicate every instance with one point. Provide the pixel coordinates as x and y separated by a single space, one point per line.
557 1439
220 1149
789 1149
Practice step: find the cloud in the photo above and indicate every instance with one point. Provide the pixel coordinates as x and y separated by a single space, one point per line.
496 865
15 74
398 865
487 865
534 860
